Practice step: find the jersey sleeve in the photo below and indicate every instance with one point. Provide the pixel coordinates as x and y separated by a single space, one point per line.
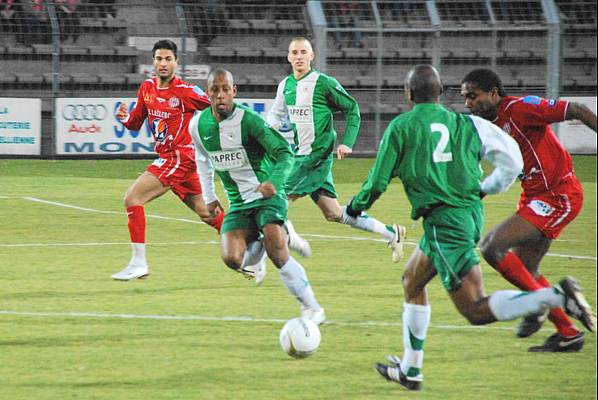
194 98
381 173
204 165
139 113
276 147
339 99
536 111
278 112
502 152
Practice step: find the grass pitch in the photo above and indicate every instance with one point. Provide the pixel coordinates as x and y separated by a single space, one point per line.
196 330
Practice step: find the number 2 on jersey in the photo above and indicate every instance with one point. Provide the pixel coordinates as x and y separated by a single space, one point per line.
439 154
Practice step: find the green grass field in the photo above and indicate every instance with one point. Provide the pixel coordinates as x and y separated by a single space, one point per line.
196 330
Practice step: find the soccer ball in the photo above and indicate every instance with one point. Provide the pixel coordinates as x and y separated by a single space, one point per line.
300 337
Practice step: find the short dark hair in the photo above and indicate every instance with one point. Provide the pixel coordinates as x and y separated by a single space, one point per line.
165 44
486 80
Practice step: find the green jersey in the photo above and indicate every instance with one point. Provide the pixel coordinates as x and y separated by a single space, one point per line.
309 103
243 150
436 153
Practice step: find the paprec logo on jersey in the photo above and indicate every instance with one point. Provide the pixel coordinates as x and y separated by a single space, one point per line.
160 129
84 112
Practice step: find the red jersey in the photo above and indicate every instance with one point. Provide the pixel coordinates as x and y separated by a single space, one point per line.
527 119
168 111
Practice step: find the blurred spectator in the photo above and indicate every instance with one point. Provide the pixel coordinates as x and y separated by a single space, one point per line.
68 20
344 14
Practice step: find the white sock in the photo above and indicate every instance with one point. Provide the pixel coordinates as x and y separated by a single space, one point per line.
295 279
254 253
416 319
510 304
138 255
368 224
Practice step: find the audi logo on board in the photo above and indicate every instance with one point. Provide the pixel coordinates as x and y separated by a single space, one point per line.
84 112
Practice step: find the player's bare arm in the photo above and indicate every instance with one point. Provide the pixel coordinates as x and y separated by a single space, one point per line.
343 151
583 113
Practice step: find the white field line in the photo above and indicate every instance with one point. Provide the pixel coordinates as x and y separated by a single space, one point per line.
100 315
316 236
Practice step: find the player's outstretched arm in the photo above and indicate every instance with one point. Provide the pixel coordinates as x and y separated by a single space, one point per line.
582 113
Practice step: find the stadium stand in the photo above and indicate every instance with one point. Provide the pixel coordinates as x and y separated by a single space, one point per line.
113 39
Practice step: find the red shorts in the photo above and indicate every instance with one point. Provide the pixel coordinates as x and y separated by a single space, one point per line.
178 170
552 211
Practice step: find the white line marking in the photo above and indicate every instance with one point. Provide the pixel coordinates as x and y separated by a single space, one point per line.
50 314
54 203
321 237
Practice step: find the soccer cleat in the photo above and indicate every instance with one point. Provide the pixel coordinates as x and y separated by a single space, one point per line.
530 325
393 373
296 242
257 271
132 271
558 343
576 304
396 244
316 316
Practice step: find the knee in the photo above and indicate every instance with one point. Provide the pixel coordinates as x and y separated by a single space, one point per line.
233 261
474 318
129 201
278 254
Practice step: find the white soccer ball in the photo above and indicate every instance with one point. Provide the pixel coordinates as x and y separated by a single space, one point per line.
300 337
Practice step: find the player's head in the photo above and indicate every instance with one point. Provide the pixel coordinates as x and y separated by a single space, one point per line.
222 91
301 54
423 84
164 54
482 90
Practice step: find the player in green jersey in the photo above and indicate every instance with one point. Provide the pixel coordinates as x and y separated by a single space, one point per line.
252 161
436 153
308 98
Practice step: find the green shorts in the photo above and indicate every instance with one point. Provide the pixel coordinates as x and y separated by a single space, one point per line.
311 176
450 239
255 215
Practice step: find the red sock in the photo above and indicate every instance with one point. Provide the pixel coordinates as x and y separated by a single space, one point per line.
557 316
513 270
136 216
217 221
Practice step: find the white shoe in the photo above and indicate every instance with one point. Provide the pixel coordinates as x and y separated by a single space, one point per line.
257 271
396 244
300 245
316 316
296 242
132 271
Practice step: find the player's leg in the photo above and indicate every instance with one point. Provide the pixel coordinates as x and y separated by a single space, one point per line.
145 188
506 305
333 212
496 247
291 272
416 319
239 245
186 185
295 241
197 205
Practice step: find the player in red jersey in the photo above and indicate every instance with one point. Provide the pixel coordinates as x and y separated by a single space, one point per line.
552 195
168 103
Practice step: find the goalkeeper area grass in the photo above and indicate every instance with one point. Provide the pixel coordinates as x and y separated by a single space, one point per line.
197 330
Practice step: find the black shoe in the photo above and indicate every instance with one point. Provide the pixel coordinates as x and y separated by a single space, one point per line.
530 325
558 343
576 304
394 374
